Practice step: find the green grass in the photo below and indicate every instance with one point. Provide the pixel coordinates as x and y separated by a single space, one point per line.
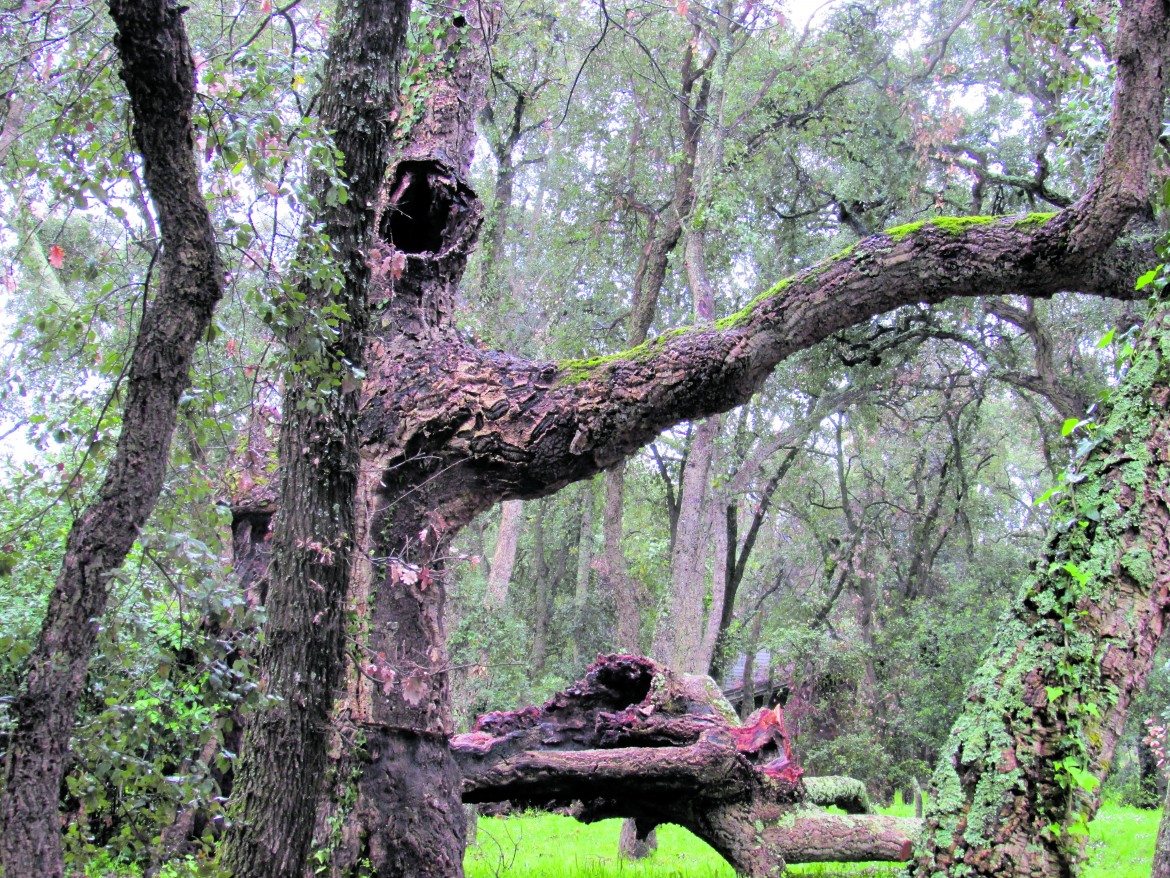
1121 842
1121 845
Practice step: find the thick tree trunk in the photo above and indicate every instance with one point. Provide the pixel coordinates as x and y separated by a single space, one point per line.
1048 705
302 658
158 71
449 429
635 740
408 818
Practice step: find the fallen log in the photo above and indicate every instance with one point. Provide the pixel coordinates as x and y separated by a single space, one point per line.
633 739
846 793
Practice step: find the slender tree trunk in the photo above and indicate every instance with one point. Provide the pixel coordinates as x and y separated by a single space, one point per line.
158 71
678 634
747 704
504 557
543 594
719 590
627 591
584 568
313 542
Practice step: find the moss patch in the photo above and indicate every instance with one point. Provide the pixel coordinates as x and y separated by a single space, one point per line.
1033 220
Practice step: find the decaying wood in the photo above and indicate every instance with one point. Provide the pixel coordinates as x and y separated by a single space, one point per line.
633 739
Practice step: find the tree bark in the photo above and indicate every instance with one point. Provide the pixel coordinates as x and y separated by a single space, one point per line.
584 567
628 592
1048 705
302 658
1161 867
158 72
449 429
633 739
678 634
504 556
407 818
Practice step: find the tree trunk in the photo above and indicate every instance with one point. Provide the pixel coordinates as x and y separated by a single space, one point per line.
407 818
1161 867
678 635
504 557
747 704
449 428
302 658
544 588
584 568
634 739
627 591
158 71
1048 705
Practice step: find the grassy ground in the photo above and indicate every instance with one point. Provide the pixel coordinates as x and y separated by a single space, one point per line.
545 846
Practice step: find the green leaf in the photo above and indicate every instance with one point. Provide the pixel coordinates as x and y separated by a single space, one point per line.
1106 339
1069 425
1075 572
1083 779
1146 279
1046 496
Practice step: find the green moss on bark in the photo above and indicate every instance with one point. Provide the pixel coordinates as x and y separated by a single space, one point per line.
1017 782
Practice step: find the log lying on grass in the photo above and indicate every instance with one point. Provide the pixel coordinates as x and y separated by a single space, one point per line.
635 740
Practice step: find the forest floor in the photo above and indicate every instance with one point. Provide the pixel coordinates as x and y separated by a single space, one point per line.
1121 845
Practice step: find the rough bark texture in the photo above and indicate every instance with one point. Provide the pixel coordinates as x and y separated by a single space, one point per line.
158 71
1048 705
449 429
313 536
633 739
408 818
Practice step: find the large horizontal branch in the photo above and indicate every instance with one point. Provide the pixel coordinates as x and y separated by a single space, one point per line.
627 773
501 427
526 429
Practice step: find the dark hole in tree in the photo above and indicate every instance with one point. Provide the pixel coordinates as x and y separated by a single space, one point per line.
420 205
629 683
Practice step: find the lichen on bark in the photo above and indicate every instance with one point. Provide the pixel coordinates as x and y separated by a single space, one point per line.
1018 782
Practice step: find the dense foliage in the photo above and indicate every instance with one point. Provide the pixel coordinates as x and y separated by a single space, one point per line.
895 476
